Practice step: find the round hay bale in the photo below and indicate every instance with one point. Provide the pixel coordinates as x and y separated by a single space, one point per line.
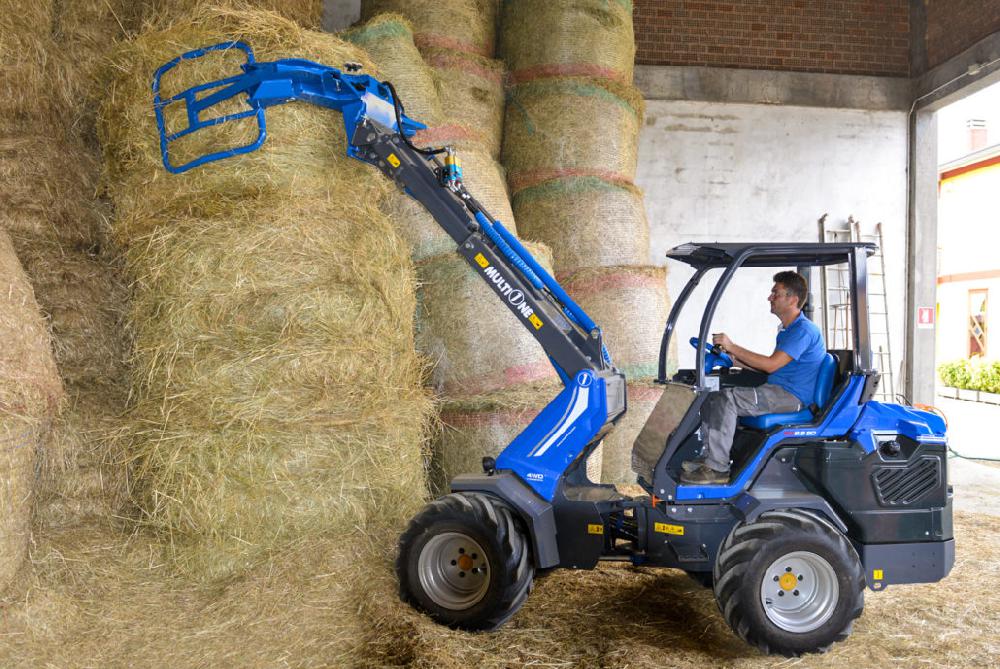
571 126
307 13
276 380
482 426
630 305
616 465
388 39
30 395
458 25
587 221
562 38
473 340
471 89
302 153
277 393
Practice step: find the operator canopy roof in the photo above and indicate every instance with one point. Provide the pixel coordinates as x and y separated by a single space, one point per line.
708 255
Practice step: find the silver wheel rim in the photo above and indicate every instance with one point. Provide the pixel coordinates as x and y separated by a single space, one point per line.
799 592
454 571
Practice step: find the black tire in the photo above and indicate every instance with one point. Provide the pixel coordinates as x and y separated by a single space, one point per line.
491 524
741 566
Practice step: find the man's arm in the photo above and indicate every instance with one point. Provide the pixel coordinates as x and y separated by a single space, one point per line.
768 364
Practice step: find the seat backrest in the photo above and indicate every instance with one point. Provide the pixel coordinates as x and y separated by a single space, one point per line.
824 381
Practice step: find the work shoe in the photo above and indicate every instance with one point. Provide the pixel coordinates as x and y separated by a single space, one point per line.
692 465
705 475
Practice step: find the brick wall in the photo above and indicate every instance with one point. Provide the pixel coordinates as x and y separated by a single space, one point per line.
954 26
839 36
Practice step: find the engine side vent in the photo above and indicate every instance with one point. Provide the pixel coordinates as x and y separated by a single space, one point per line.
901 486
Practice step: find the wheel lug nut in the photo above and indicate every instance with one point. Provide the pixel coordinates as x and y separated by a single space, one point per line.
800 577
796 593
781 594
786 568
775 578
474 556
462 550
454 562
461 574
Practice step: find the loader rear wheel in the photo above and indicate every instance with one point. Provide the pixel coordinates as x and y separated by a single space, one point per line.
465 560
789 583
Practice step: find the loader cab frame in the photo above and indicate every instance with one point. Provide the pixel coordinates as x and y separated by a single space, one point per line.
854 383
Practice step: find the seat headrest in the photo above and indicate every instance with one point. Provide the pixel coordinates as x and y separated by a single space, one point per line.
824 380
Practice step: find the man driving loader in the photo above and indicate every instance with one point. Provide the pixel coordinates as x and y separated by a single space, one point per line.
792 370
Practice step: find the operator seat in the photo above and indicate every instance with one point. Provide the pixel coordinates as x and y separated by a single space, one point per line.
821 395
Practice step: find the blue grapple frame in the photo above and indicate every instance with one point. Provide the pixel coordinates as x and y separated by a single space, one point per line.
859 484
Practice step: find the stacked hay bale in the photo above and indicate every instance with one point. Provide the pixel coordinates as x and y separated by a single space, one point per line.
30 393
277 396
570 147
469 26
490 375
48 208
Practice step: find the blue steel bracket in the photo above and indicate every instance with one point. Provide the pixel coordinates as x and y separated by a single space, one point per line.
356 96
557 435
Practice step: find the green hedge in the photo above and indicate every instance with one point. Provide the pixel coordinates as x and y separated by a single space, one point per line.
971 375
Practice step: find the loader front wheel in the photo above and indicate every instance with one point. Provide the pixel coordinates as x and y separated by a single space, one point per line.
465 560
789 583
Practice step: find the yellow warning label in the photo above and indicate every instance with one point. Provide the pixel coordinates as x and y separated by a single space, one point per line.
536 321
393 160
877 575
595 529
482 261
664 528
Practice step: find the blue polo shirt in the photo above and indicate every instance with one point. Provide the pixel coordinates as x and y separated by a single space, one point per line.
803 342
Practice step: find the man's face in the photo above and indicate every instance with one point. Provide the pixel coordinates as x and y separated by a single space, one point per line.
781 300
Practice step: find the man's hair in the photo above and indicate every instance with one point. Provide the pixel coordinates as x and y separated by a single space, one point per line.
795 284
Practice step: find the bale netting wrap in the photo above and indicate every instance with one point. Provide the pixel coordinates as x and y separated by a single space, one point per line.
552 38
472 92
304 146
458 25
30 395
630 305
587 221
277 392
616 466
481 426
388 39
571 126
476 344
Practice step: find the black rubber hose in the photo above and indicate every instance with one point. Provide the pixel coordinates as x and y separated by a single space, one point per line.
398 106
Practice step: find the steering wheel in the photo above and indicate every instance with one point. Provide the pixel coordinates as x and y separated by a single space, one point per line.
714 356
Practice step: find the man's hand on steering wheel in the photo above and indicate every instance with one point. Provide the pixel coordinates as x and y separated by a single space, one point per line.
723 340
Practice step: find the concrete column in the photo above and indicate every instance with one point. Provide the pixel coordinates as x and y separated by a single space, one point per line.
921 255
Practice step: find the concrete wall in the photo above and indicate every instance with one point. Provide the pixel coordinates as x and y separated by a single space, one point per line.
748 172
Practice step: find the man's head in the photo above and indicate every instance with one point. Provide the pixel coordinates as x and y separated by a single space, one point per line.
789 293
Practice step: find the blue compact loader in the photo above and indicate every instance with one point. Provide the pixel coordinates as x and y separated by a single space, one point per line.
846 494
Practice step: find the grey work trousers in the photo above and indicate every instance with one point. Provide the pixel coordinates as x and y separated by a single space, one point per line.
721 409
